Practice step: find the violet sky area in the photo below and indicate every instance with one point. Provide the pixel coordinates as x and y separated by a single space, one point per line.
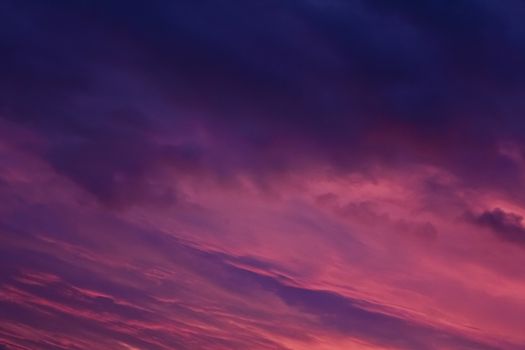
262 175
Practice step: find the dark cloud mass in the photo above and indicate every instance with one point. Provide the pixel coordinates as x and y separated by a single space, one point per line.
351 82
507 226
195 174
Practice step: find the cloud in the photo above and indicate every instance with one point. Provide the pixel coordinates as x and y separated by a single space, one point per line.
506 226
352 85
181 175
82 303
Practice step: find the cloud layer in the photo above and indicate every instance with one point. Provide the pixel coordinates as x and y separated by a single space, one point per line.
262 175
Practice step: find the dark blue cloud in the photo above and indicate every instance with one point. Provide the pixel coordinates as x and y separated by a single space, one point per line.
506 226
311 77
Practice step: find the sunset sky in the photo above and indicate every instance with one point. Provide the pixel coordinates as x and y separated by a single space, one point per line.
262 175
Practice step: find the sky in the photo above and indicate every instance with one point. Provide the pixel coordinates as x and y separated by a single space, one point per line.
273 174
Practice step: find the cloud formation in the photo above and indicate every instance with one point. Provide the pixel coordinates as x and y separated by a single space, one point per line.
262 175
507 226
